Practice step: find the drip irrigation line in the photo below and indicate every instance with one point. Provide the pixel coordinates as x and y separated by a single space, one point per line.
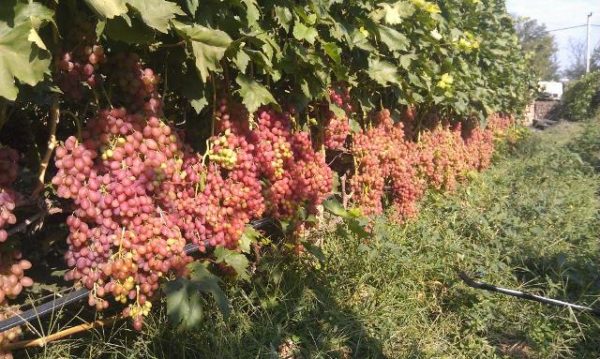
528 296
79 295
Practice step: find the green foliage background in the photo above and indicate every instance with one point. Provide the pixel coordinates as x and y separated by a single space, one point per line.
451 57
582 97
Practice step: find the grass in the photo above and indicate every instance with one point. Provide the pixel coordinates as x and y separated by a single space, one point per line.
530 222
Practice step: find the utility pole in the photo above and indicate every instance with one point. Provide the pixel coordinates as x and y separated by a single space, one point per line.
587 48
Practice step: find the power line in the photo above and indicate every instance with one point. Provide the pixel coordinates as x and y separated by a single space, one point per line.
567 28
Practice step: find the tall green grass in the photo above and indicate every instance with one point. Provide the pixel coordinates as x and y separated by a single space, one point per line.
531 222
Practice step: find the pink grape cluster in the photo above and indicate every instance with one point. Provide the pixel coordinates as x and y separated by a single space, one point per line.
337 129
121 243
297 175
443 157
12 265
340 96
480 148
214 201
79 67
8 174
336 133
136 86
383 157
79 63
399 161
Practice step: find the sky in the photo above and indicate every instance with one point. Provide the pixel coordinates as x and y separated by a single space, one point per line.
556 14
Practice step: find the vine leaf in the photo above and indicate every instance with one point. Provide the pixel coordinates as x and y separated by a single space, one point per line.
208 45
383 72
235 260
333 51
184 300
249 236
207 282
253 94
184 304
241 60
22 54
336 208
157 13
393 14
252 13
192 6
303 32
284 17
108 8
393 39
134 32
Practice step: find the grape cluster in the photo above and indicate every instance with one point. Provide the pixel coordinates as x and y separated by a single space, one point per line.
443 157
383 157
12 266
480 148
216 200
135 86
12 275
8 174
79 67
337 129
120 242
297 176
10 335
78 64
336 133
340 96
399 160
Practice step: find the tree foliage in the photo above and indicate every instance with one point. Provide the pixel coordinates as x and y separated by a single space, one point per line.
540 46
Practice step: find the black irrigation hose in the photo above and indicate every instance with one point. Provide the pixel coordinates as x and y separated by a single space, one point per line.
522 295
78 295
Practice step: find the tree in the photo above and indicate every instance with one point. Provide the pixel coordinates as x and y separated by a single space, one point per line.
540 46
578 53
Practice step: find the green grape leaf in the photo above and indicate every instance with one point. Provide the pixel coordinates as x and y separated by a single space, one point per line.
393 14
284 17
207 282
156 13
333 51
335 207
22 51
108 9
252 13
241 60
253 94
393 39
303 32
249 236
383 72
134 32
208 45
191 6
184 303
406 60
235 260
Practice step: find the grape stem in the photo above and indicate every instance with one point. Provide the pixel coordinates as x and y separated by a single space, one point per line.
54 117
34 218
43 341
